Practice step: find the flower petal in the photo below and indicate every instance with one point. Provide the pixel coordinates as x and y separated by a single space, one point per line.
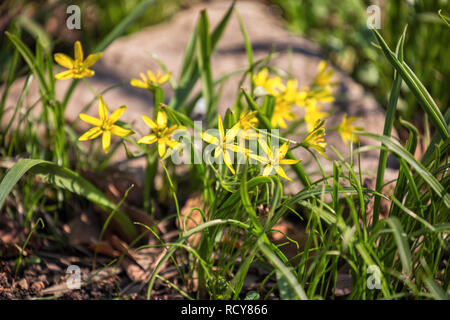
138 83
78 51
120 132
164 78
87 73
150 123
92 59
283 150
117 114
102 110
210 138
90 134
161 119
161 149
220 127
106 141
228 162
151 138
289 161
151 77
64 60
267 170
91 120
281 173
64 75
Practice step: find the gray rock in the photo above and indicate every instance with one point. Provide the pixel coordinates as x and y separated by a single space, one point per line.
128 56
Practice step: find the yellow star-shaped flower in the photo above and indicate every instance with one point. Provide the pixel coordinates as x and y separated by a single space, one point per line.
160 133
104 125
224 143
346 129
274 159
78 67
151 80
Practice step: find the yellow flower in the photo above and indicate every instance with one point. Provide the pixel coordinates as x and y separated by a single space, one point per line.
281 113
291 95
346 129
272 86
224 143
323 76
78 68
160 133
104 125
322 90
274 159
245 125
151 80
315 139
313 114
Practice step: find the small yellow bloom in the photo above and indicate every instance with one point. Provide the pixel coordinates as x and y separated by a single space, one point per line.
104 125
313 114
224 143
292 96
151 80
78 67
274 158
281 113
272 86
160 133
315 139
346 129
245 125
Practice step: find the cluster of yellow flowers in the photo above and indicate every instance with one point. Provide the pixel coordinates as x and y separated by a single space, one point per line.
286 96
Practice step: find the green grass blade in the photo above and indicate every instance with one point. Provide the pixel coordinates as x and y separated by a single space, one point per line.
29 59
66 179
402 243
204 64
399 151
388 125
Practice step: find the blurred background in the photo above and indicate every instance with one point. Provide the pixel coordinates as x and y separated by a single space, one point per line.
338 26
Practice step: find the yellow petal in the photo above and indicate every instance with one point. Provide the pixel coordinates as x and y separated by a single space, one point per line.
117 114
289 161
92 59
106 141
283 149
64 60
90 134
138 83
281 173
151 77
172 143
161 149
220 126
151 138
262 142
78 51
64 75
120 132
150 123
227 160
86 73
102 110
91 120
161 119
267 170
210 138
164 78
